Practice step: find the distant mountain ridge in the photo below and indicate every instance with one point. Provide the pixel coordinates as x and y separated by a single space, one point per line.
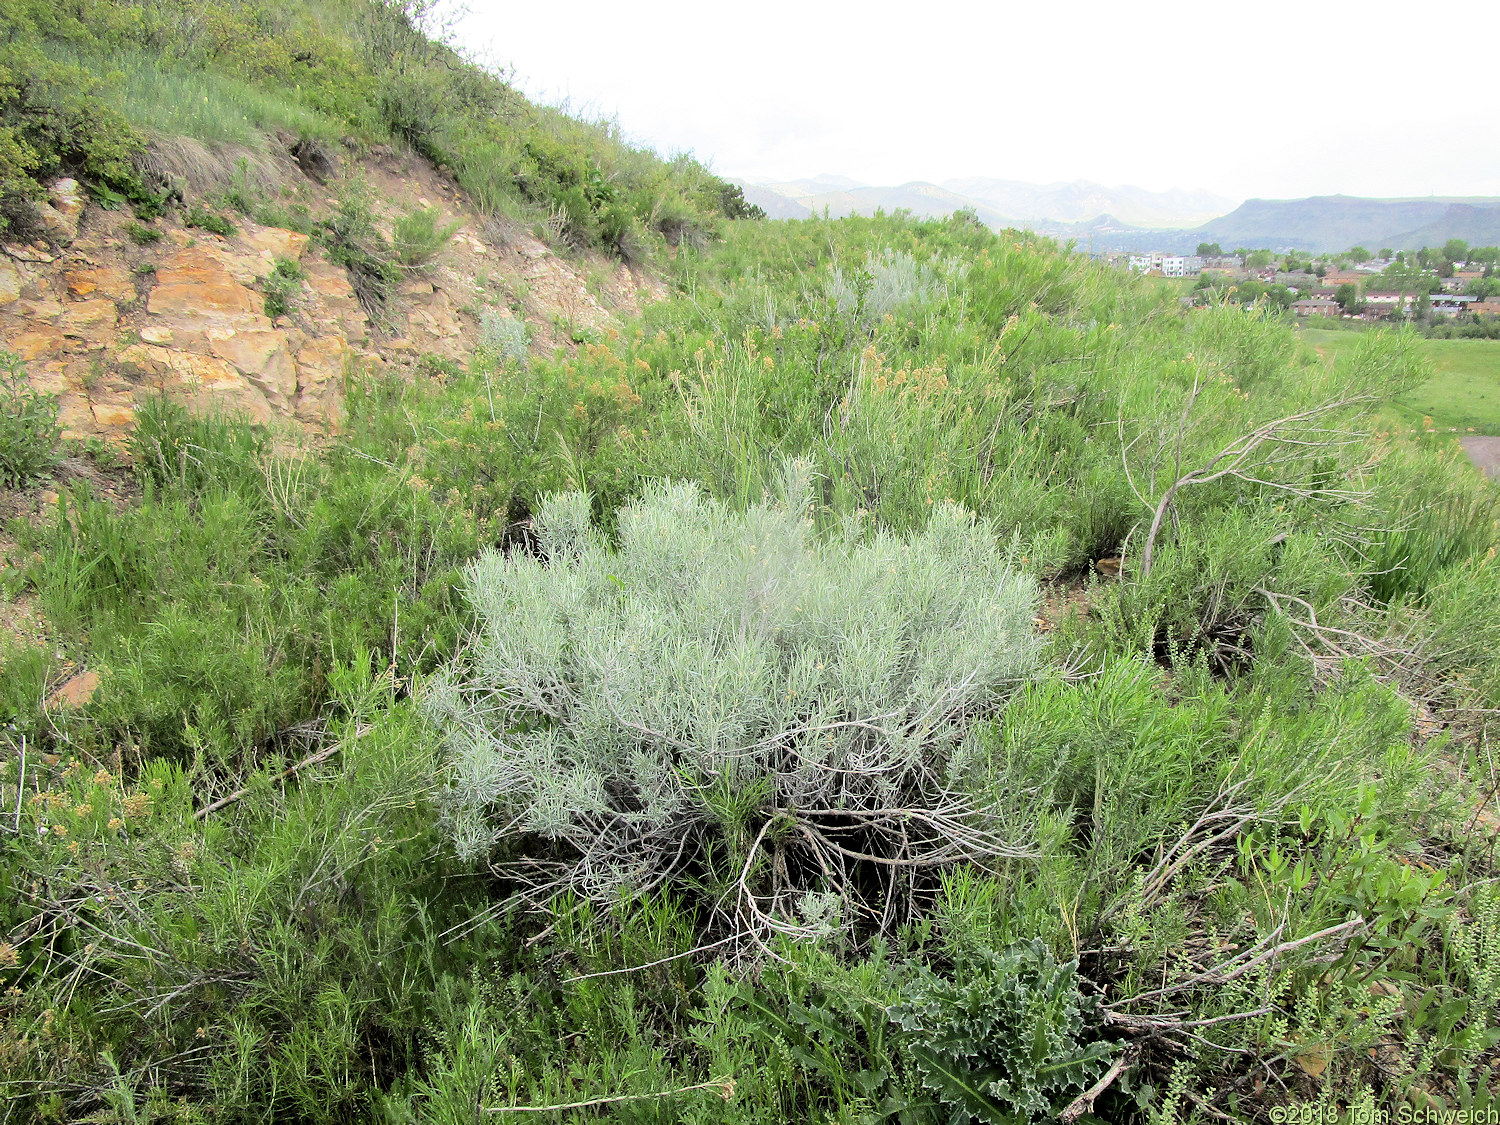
1129 218
1337 222
1083 201
998 202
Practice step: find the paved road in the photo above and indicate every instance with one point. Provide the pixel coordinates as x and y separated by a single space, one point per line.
1484 452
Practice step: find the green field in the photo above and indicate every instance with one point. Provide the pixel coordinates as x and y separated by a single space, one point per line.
1463 396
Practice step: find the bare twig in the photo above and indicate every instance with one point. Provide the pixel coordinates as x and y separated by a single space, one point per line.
1233 459
652 964
1223 973
311 760
1084 1102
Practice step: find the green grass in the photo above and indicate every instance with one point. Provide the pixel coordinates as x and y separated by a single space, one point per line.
1463 396
104 81
212 107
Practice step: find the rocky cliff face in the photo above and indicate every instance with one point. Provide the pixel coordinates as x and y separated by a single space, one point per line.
102 320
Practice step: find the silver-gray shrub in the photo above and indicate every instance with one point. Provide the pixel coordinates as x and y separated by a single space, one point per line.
731 684
896 282
504 337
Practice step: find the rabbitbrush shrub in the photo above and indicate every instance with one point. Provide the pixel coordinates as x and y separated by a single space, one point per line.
732 698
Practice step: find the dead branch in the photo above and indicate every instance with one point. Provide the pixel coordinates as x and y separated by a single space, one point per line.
1238 965
311 760
650 964
1084 1102
1233 459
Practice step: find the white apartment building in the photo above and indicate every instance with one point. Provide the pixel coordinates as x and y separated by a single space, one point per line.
1168 265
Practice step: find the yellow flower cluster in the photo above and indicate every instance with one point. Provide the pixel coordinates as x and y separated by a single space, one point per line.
925 383
136 805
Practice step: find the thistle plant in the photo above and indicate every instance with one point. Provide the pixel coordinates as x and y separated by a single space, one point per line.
733 702
1006 1041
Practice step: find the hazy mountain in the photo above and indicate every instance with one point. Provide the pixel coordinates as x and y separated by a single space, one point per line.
775 204
1128 218
1337 222
999 202
814 185
1082 201
918 197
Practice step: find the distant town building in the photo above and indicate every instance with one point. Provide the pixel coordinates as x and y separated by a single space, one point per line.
1298 281
1313 306
1452 304
1490 306
1387 304
1333 279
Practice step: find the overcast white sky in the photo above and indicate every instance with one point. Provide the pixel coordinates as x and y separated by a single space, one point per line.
1246 99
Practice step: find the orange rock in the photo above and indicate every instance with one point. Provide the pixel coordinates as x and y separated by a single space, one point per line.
277 242
75 416
75 692
63 210
107 281
48 377
43 309
38 341
194 283
201 295
320 360
89 319
328 282
115 416
26 254
259 354
10 282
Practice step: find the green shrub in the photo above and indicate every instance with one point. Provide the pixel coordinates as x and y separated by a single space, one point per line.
354 242
52 122
418 236
504 337
29 434
200 216
282 286
142 235
1008 1040
171 448
726 686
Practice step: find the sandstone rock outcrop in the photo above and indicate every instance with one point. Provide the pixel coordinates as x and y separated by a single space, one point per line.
61 213
105 321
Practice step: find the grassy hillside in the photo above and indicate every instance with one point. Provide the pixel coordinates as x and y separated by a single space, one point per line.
147 101
908 674
328 844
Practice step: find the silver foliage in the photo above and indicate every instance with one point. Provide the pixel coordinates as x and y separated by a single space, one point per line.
894 281
504 337
731 681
